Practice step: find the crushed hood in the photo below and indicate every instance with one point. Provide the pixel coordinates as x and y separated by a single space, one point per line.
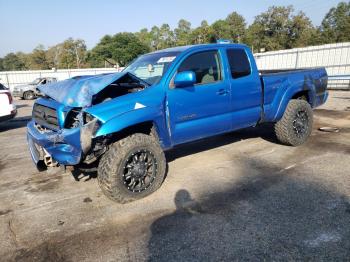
78 91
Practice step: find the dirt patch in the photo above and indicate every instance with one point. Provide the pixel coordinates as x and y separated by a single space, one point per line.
4 212
318 144
2 165
44 252
87 200
46 184
334 114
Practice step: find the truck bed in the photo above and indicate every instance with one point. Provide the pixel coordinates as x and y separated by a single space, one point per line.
279 86
282 71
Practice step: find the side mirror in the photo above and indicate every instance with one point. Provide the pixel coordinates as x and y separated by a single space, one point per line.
185 78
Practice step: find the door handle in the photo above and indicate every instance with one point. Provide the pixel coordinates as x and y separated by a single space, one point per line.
222 92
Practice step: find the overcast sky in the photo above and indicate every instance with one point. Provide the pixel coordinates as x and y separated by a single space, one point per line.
25 24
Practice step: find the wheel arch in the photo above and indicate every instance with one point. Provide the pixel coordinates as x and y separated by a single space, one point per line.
304 95
294 93
123 126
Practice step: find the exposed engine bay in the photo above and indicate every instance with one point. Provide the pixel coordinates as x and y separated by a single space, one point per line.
123 86
77 118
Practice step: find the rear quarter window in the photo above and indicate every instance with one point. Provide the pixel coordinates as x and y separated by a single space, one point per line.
239 63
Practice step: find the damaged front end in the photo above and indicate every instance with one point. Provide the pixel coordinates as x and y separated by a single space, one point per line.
62 131
51 145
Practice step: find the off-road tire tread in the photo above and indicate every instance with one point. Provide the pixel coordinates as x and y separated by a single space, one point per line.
284 127
28 92
114 157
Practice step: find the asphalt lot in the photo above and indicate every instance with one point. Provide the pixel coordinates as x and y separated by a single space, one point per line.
238 196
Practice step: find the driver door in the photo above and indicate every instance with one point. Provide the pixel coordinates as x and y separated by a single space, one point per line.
202 109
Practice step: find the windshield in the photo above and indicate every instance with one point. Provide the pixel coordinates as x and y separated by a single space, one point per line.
35 82
2 87
151 67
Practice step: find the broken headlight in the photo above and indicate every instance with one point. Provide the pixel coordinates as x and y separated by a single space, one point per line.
87 118
88 131
91 122
72 118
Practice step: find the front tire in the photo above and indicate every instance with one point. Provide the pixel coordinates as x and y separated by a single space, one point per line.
132 168
28 95
295 126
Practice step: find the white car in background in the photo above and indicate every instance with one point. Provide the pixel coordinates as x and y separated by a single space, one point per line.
7 107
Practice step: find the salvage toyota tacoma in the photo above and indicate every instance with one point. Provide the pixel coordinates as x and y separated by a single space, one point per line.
123 122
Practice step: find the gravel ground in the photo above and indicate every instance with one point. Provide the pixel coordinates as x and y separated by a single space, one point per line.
238 196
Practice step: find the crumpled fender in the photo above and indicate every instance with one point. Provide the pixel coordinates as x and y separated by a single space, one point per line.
134 117
285 92
306 85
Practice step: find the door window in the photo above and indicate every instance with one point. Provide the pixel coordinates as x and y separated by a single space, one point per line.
206 66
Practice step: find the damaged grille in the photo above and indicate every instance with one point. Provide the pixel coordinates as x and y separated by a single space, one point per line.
45 116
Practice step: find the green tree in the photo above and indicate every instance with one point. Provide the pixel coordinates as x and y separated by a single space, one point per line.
166 36
221 30
237 26
202 34
53 56
120 49
335 26
279 28
72 53
301 32
145 37
155 38
182 32
101 52
270 29
13 62
37 59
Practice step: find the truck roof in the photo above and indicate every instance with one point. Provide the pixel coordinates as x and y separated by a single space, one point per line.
199 46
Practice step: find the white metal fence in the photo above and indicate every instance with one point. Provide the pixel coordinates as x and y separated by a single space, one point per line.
13 78
335 57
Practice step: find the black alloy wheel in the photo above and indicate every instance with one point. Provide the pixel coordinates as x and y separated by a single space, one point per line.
140 170
300 123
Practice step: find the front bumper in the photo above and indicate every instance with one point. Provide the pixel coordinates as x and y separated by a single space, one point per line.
63 145
17 93
10 116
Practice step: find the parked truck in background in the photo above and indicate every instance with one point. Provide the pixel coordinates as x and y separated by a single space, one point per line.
124 122
30 91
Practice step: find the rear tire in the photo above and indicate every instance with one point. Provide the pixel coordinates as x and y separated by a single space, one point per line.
132 168
28 95
295 126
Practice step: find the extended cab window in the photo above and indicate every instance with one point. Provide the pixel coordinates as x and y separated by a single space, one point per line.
239 63
206 66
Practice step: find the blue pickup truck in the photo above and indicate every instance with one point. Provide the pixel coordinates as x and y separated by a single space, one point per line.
123 122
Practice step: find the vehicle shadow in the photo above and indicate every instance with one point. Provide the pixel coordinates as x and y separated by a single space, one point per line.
343 98
84 173
264 131
17 122
22 105
268 215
